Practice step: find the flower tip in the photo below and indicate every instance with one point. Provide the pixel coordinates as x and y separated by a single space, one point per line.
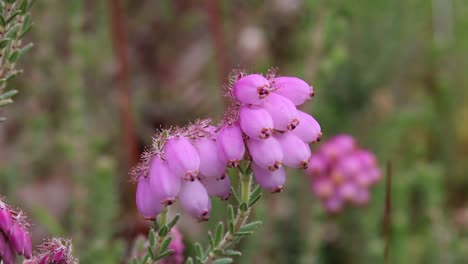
304 165
294 123
275 166
278 189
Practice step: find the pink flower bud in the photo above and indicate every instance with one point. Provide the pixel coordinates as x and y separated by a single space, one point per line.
27 246
334 204
266 153
338 146
348 191
16 238
146 200
255 122
295 89
182 158
231 148
210 164
220 187
195 200
308 129
6 221
323 187
177 244
3 244
8 254
251 89
272 181
317 165
296 153
282 111
165 184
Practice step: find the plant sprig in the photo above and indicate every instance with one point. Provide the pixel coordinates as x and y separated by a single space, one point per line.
15 22
159 239
225 236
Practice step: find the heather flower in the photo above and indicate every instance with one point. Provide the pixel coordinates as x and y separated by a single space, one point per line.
231 146
218 187
255 122
266 153
308 129
14 236
194 200
293 88
282 111
342 173
164 183
296 153
211 165
272 181
182 157
251 89
177 245
146 200
54 251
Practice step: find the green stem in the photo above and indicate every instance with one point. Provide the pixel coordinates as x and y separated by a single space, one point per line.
239 221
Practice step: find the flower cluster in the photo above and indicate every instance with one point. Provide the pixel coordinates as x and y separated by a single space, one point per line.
262 124
177 245
342 173
54 251
14 237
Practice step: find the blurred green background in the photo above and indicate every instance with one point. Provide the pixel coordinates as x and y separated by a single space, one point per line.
101 80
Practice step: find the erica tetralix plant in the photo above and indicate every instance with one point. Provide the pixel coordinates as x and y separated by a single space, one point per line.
343 173
54 251
14 236
261 132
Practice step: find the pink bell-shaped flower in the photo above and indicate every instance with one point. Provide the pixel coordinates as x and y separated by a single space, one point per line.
272 181
220 187
165 184
146 200
266 153
211 165
255 122
308 129
282 111
182 158
296 153
195 200
231 148
295 89
251 89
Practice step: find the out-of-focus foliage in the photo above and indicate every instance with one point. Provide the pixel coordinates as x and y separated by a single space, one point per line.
392 73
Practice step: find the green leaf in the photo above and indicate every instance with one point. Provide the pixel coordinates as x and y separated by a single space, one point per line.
5 102
250 226
231 227
256 192
25 30
25 49
166 243
231 213
219 233
155 225
173 221
254 200
2 21
150 251
236 196
223 261
211 239
12 17
8 94
13 57
189 261
23 6
244 233
4 42
165 254
229 252
13 31
163 231
152 238
198 250
243 207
